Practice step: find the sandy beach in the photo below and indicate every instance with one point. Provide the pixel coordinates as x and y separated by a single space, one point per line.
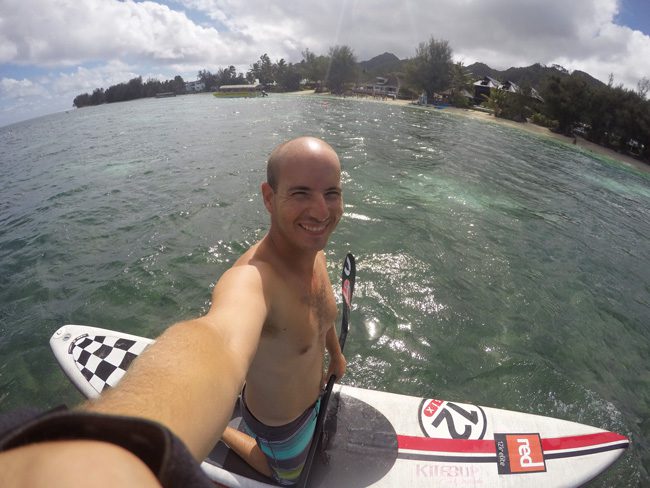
581 144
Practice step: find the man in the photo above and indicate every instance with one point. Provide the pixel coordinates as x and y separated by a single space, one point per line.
281 397
271 318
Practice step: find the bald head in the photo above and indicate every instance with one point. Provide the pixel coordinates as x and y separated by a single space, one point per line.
303 150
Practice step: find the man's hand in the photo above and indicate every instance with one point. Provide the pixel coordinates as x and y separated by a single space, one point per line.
337 367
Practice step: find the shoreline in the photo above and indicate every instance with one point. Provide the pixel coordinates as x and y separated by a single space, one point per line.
529 127
581 143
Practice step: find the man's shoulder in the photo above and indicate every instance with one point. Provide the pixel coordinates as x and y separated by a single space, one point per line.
248 272
258 260
251 270
240 286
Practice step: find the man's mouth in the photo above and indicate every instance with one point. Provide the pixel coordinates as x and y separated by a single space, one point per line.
315 228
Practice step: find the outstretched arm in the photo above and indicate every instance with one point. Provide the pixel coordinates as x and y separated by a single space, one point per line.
189 379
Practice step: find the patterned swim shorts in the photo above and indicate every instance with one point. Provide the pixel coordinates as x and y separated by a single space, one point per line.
285 446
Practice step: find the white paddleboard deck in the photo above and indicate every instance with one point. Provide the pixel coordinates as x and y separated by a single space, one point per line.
382 439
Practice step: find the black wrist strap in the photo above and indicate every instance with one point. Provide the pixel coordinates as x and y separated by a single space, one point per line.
155 445
147 440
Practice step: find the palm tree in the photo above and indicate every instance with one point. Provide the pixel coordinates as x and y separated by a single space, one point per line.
496 101
461 80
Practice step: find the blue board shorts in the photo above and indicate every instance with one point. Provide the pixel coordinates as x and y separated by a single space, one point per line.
285 446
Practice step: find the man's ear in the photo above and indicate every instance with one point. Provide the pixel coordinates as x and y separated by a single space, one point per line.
267 195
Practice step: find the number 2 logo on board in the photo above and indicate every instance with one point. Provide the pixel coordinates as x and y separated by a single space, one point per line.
448 420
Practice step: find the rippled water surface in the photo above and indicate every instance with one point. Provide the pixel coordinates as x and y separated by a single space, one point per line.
494 267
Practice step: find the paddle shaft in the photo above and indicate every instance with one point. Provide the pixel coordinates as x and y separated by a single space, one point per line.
347 288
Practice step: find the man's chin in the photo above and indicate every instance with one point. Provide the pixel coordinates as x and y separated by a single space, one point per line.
315 243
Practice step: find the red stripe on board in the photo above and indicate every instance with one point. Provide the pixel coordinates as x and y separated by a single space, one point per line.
445 445
578 441
488 446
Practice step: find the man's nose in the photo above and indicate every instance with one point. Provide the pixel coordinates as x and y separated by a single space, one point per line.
320 210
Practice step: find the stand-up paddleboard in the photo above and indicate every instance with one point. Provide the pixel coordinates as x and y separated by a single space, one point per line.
382 439
372 438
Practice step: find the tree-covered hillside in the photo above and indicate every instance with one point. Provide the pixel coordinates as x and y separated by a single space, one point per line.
534 75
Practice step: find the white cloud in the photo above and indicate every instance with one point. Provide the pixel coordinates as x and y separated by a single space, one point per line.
85 80
61 33
620 51
21 99
11 88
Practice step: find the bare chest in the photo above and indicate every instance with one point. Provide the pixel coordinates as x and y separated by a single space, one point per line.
300 317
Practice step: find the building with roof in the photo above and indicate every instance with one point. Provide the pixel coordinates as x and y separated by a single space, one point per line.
382 87
510 86
194 86
483 88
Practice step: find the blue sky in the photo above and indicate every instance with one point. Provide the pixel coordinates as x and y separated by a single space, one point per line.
53 50
635 14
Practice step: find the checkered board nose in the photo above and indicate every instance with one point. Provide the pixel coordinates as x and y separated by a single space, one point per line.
103 360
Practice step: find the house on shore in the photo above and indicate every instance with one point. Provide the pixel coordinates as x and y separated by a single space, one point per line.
535 95
194 86
382 87
483 88
510 86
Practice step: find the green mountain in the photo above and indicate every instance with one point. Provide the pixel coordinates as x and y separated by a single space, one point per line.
382 65
533 75
387 64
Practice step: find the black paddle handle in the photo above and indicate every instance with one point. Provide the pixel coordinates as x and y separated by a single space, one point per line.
348 276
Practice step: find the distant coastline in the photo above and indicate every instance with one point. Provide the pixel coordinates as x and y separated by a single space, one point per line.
531 128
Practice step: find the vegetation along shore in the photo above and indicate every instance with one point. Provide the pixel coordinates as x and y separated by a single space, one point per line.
606 119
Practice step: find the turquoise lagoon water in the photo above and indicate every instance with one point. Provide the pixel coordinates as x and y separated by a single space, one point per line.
495 267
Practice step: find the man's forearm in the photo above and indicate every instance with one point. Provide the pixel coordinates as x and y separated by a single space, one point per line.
338 363
332 342
188 381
